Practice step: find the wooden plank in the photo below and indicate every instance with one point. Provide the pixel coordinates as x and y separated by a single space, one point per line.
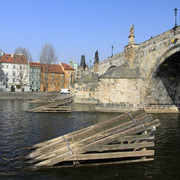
85 131
100 164
73 141
102 148
134 138
60 102
59 155
86 143
124 118
110 155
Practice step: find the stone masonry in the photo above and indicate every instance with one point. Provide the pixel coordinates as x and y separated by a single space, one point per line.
135 77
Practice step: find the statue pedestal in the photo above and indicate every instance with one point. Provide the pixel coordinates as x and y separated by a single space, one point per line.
131 40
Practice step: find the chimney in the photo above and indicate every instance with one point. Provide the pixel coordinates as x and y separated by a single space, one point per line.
2 53
12 55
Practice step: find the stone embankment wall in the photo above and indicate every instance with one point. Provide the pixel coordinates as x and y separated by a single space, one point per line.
33 95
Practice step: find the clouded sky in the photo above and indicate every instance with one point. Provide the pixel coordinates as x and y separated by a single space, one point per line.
80 27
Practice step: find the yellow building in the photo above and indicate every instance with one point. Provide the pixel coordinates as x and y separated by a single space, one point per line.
68 75
52 78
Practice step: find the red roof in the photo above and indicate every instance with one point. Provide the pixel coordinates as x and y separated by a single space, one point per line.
34 64
52 68
67 67
18 59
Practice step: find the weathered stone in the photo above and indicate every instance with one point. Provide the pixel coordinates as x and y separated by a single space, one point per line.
131 77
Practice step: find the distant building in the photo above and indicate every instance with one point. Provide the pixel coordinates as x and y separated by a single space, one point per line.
69 75
13 72
52 78
74 65
34 76
82 69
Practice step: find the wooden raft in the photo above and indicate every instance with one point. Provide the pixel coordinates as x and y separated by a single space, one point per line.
57 106
125 138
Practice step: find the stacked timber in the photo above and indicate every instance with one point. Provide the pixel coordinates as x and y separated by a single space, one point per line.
57 106
125 138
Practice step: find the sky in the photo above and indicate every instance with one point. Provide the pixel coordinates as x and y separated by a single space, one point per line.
80 27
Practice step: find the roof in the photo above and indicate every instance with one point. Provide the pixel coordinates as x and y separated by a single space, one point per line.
89 78
52 68
123 72
13 58
34 64
66 67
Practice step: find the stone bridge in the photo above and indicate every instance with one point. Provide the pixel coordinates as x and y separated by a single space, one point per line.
143 74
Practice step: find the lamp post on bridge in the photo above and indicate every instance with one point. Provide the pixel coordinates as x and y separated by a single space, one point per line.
112 51
175 11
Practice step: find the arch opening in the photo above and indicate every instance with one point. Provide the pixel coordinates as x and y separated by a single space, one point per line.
165 83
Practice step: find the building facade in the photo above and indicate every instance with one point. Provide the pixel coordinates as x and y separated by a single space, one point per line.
68 75
14 72
34 76
52 78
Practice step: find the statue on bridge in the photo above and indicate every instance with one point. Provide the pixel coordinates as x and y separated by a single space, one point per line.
131 36
132 30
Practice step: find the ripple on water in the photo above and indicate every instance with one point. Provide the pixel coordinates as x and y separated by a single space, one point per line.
19 130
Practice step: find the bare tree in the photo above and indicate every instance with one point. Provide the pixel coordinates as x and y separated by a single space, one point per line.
25 52
47 56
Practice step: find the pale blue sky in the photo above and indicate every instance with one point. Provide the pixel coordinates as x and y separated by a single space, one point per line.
80 27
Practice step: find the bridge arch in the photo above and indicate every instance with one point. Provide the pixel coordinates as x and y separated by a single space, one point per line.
111 68
163 85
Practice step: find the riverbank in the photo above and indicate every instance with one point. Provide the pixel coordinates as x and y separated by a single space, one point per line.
153 109
43 97
38 96
123 107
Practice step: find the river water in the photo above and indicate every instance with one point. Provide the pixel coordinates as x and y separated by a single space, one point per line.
19 130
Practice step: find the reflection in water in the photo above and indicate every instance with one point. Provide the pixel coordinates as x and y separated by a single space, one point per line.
19 130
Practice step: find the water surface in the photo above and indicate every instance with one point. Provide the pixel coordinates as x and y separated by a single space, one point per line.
19 130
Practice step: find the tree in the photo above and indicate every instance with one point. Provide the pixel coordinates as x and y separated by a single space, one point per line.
47 56
25 52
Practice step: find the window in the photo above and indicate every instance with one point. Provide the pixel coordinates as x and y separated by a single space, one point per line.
52 80
69 79
6 73
52 86
14 79
69 86
61 80
6 66
52 74
20 67
14 66
68 72
62 75
14 73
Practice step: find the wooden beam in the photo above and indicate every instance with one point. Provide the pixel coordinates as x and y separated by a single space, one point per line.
102 148
56 149
100 164
59 156
91 129
110 155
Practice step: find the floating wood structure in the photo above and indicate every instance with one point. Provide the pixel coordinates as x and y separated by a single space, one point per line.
125 138
56 106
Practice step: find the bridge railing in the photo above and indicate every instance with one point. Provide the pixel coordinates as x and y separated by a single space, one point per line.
118 105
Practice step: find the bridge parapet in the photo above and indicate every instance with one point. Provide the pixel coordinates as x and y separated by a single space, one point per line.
149 52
